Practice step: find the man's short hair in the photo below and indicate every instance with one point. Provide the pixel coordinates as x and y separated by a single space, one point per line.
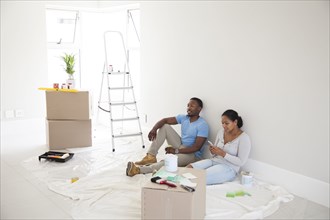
200 103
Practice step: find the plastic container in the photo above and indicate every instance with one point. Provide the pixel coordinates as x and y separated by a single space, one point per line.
56 156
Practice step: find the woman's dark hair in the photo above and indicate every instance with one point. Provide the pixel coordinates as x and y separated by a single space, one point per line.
233 115
199 102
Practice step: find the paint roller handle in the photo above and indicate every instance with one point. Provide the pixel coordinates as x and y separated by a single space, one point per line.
188 188
159 180
167 183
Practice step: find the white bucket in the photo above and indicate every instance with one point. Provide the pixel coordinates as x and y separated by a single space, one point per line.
171 162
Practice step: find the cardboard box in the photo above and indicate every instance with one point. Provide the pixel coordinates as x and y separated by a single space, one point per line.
163 202
68 133
68 105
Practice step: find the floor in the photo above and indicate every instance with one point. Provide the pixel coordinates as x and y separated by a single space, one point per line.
23 197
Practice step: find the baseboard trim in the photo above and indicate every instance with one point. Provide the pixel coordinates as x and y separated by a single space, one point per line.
297 184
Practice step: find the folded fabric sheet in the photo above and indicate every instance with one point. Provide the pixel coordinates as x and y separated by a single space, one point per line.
262 200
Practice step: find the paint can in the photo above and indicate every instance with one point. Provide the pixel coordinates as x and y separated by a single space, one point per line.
246 179
171 162
64 86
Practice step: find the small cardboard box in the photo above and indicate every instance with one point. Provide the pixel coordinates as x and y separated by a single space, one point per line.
68 105
68 133
163 202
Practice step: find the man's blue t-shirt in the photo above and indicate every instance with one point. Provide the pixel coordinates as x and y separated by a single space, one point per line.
189 131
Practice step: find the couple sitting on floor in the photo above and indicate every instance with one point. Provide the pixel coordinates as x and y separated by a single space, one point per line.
229 152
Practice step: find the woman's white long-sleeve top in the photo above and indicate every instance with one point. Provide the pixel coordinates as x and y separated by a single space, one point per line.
237 150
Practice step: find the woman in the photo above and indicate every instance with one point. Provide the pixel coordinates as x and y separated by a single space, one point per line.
230 151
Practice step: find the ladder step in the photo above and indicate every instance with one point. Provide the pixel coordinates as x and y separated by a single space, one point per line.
126 135
117 73
125 119
123 103
120 88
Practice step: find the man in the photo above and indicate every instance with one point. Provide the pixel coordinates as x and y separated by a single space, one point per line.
194 132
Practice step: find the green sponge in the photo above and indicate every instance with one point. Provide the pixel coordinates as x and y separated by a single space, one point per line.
237 193
230 194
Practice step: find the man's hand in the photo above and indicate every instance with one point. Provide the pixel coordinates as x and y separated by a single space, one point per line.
152 135
170 150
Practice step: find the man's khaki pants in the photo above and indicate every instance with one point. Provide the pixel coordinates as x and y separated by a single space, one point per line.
171 136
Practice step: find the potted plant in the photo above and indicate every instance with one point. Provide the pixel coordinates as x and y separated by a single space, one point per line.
69 60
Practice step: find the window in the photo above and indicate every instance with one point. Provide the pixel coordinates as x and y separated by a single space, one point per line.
133 29
61 26
133 47
62 38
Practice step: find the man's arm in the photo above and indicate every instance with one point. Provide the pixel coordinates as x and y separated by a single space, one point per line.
188 150
153 133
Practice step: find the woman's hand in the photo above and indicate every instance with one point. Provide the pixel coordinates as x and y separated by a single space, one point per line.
217 151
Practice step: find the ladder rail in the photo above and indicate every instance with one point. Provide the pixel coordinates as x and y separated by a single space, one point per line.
123 44
110 112
137 112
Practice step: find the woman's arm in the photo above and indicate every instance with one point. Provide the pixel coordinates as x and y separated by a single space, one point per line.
244 148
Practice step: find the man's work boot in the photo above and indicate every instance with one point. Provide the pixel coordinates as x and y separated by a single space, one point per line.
131 169
148 159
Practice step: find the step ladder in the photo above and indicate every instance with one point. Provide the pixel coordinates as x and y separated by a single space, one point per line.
122 106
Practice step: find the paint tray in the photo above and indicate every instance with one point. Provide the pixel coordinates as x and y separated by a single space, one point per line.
55 156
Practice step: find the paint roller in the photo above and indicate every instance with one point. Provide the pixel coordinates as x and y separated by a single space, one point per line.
159 180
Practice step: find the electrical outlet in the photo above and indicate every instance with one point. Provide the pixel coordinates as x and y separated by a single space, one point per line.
19 113
9 114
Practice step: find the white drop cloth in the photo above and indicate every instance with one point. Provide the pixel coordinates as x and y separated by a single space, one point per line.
103 190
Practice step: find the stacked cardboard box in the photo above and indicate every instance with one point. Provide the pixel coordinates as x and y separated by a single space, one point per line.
68 121
163 202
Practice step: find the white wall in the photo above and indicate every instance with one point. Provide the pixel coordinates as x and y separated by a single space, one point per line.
268 60
73 4
23 57
107 4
